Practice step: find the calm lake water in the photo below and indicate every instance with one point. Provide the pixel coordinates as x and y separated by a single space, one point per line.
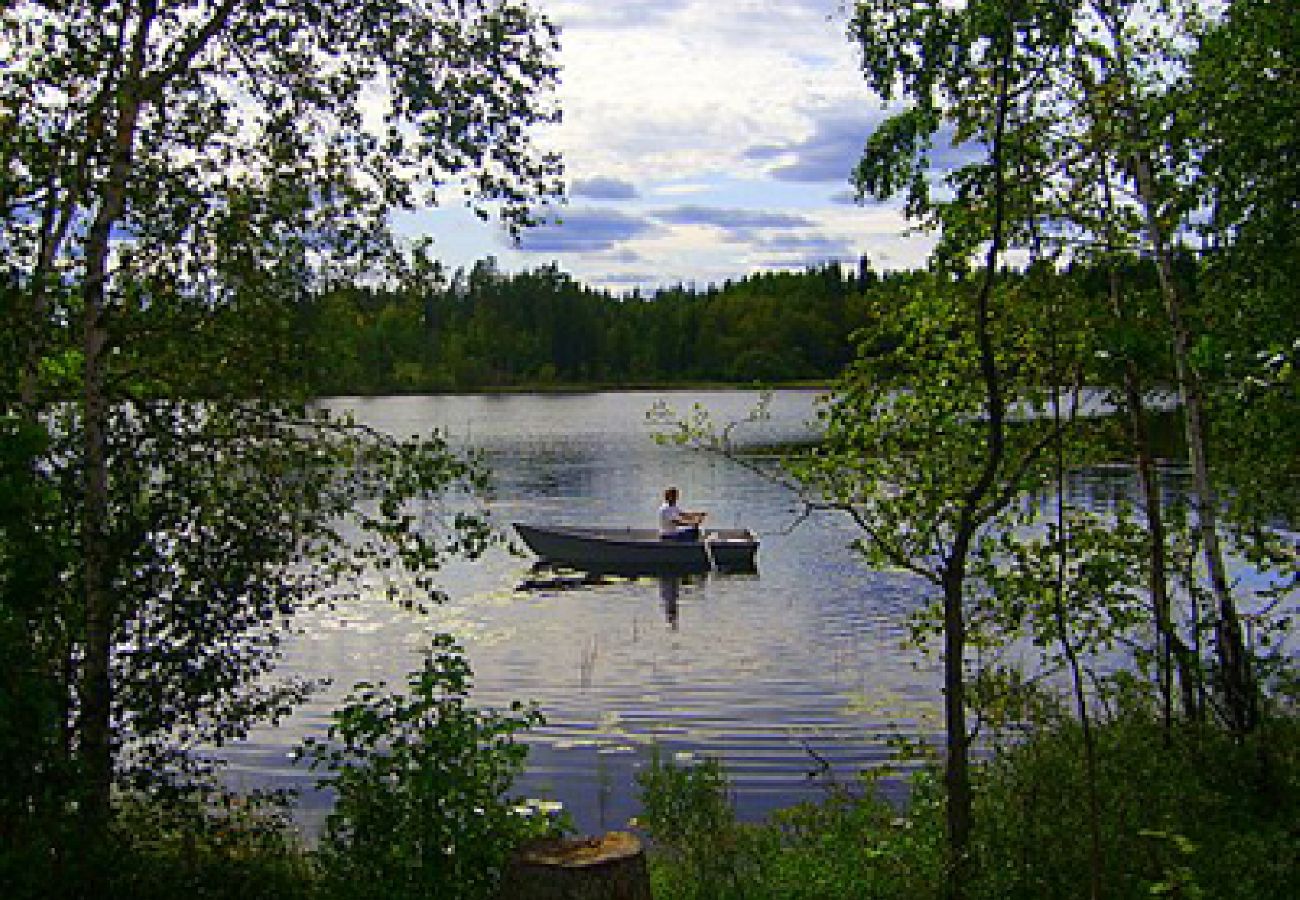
758 669
805 657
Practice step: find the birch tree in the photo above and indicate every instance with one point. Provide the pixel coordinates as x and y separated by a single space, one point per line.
171 164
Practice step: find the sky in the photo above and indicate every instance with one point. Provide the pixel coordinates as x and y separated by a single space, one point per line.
703 140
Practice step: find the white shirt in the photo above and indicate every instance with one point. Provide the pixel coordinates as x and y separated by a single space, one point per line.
669 513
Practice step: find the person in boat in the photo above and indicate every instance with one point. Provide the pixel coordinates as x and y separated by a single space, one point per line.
675 524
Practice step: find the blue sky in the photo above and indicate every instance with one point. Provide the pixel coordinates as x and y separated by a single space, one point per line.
703 140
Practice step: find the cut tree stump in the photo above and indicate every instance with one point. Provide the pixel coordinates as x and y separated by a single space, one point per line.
610 867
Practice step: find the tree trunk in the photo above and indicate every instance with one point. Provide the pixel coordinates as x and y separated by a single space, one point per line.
610 867
956 775
1173 652
1237 680
95 725
1175 655
96 687
960 815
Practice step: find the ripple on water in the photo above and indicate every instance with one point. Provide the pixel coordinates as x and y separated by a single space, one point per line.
776 673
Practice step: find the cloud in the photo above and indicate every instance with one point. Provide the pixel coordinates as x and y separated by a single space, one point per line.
709 136
815 244
584 231
655 91
603 189
626 278
674 190
734 220
830 153
833 150
613 14
945 157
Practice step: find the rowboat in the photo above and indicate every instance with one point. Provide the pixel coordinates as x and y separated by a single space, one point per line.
637 551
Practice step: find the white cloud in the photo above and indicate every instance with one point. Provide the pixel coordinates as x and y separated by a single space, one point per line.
679 190
584 231
751 111
650 97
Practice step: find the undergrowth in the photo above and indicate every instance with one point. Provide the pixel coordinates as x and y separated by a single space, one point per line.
1193 814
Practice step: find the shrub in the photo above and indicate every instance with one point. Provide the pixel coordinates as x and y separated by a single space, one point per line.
421 783
1202 813
202 847
688 813
852 846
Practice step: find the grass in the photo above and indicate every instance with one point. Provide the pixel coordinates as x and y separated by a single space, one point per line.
1200 815
1196 815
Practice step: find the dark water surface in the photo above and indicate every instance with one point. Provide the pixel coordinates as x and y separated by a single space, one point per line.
803 661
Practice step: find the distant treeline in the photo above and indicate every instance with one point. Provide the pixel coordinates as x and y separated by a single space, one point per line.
485 328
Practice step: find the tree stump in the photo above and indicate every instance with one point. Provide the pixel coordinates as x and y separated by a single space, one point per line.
610 867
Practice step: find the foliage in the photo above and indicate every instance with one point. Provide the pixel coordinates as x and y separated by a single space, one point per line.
851 845
227 522
414 775
420 781
904 435
687 811
203 846
216 574
1244 82
233 848
487 328
1203 816
177 176
222 123
1093 154
34 544
1050 595
854 844
927 466
1201 813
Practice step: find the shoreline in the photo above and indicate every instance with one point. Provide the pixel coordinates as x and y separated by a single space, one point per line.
598 388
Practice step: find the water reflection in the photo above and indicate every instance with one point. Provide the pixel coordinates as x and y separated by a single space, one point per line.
542 577
810 658
734 666
669 589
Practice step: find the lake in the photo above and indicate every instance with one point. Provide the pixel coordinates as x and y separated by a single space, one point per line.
773 672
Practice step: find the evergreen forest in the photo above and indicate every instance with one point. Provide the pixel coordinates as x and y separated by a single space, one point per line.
485 329
489 329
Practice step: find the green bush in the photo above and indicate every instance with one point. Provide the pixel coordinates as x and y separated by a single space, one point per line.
688 812
853 845
1201 813
196 846
421 810
421 784
219 847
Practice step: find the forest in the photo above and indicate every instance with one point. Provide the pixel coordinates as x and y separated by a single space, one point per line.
487 329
